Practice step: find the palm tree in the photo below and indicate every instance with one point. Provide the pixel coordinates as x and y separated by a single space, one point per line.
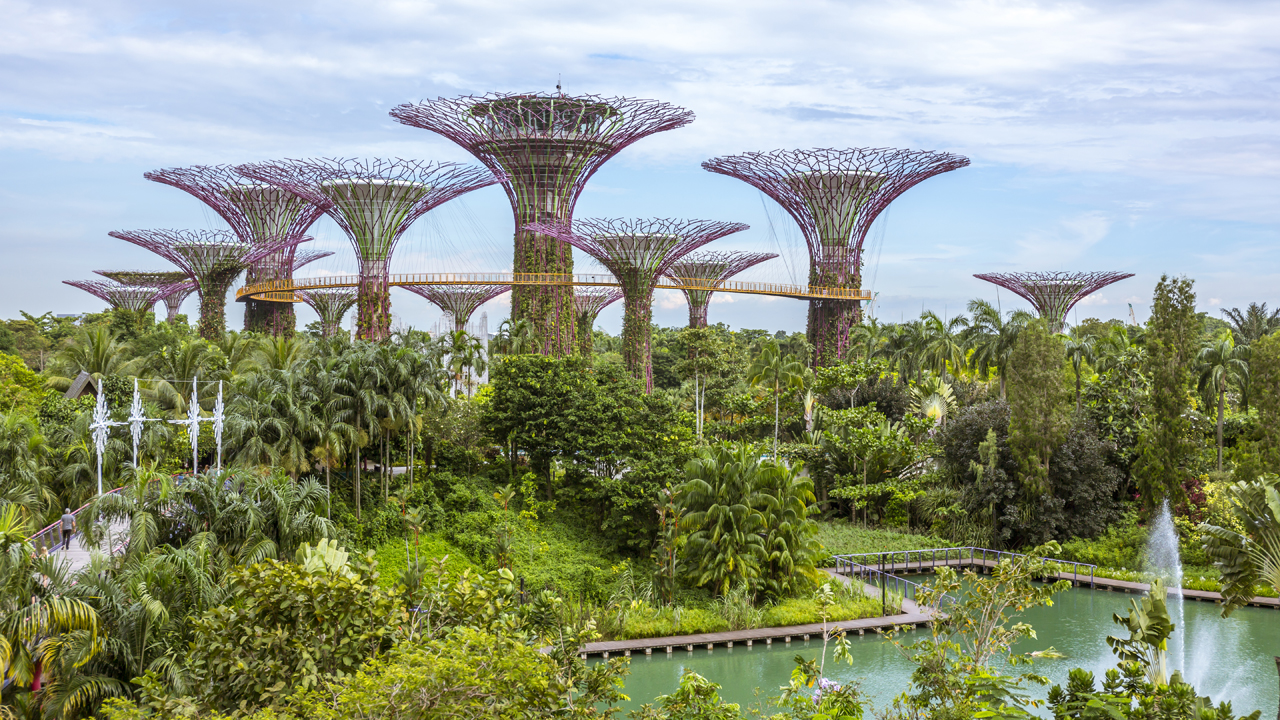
1254 323
992 337
331 435
1079 347
95 350
1251 557
24 467
933 399
722 517
39 614
776 371
785 499
140 506
867 335
1220 362
514 337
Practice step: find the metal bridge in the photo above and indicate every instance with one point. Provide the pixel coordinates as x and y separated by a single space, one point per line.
282 290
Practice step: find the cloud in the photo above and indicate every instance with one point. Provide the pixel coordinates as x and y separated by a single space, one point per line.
1063 244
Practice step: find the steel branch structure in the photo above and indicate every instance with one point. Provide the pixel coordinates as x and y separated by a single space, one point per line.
638 252
547 146
213 259
175 282
1053 294
374 202
694 271
331 305
834 196
258 213
587 303
132 298
458 301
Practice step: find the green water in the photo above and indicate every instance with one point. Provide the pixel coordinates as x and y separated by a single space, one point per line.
1230 659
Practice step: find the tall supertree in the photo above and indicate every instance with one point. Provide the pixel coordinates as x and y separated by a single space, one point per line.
213 259
548 146
638 252
458 301
834 196
1053 294
258 213
587 303
330 304
698 273
177 286
374 202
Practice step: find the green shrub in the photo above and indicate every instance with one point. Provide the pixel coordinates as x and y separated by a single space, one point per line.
797 611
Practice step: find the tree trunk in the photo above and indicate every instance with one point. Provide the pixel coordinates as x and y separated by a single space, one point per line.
1221 397
1001 371
328 486
1077 392
357 474
776 398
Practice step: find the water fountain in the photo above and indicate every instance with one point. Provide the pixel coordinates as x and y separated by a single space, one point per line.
1163 560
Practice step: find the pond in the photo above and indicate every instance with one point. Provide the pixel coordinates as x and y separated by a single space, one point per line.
1231 659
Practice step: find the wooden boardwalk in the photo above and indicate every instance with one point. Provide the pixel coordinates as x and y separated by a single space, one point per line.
912 618
79 553
1076 578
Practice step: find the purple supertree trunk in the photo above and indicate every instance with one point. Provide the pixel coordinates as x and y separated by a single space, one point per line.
547 146
1053 294
834 196
331 305
699 273
374 202
638 252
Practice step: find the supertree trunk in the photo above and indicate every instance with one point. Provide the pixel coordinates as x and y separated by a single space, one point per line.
373 305
637 329
213 308
829 321
698 302
548 308
586 343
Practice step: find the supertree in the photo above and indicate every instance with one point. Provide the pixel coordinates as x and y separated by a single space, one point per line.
1053 294
458 301
587 303
374 202
547 146
638 252
213 259
258 213
330 304
700 271
834 196
175 282
131 298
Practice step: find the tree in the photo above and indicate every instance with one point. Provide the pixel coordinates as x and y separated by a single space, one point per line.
1037 403
287 628
1252 556
776 371
1079 347
707 360
1219 363
992 337
95 350
1264 369
725 545
1164 447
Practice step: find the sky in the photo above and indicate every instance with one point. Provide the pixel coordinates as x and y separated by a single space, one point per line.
1131 136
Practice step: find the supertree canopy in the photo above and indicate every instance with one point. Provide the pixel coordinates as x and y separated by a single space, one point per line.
134 298
834 196
458 301
330 304
698 272
1053 294
177 286
587 303
374 202
638 252
258 213
213 259
547 146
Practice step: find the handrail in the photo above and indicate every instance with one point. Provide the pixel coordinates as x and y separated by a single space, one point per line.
55 528
282 290
1077 568
905 588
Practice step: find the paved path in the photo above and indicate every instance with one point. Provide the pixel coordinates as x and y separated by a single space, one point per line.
78 553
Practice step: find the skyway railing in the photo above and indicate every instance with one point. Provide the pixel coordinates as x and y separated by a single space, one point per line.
922 560
282 290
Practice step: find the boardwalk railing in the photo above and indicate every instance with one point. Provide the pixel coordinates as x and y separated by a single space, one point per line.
51 536
922 560
896 588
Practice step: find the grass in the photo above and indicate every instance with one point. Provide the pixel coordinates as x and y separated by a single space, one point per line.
392 560
843 538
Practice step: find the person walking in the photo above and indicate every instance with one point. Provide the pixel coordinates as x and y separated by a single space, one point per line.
68 528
